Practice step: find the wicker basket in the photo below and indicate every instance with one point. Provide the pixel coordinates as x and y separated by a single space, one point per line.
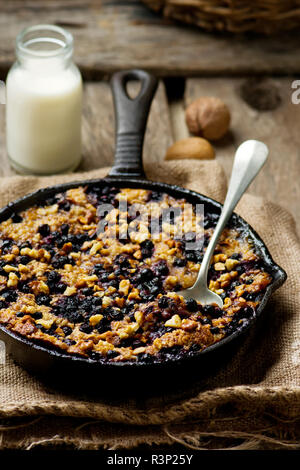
264 16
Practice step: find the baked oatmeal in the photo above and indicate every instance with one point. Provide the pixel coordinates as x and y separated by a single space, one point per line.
94 271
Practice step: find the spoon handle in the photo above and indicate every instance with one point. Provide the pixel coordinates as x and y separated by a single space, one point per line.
249 159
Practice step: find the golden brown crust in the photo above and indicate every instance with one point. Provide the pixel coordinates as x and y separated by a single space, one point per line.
68 280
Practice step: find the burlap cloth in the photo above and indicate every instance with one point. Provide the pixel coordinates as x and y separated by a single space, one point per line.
253 402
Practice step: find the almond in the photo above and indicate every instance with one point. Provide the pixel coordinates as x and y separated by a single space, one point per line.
192 147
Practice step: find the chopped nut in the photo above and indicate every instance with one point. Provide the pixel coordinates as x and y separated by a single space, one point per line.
188 325
231 264
220 257
68 267
32 252
22 268
139 350
95 319
45 323
42 287
8 268
70 290
96 247
124 286
227 302
219 267
172 280
174 322
67 247
106 301
12 280
138 316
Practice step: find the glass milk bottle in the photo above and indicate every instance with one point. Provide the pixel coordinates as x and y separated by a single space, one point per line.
43 103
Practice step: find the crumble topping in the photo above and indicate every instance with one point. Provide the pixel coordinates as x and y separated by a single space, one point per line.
92 274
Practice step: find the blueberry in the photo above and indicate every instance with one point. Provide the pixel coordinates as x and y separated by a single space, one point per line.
113 313
16 218
59 288
50 201
87 304
123 261
69 342
86 328
53 277
147 248
209 310
111 353
154 289
146 274
64 229
43 299
163 302
24 259
99 268
24 287
59 261
191 256
64 205
205 321
61 241
87 291
95 356
67 330
44 230
235 256
6 245
37 315
239 269
210 220
128 309
154 196
20 314
191 305
9 295
166 315
103 326
215 330
145 358
161 268
2 304
74 317
97 301
179 262
25 245
252 296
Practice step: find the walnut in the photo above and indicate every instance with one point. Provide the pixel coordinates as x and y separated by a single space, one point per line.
192 147
208 117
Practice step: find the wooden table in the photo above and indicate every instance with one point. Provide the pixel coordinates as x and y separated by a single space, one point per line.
112 35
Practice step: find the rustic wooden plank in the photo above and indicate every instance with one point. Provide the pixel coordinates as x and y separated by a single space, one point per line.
112 35
278 128
98 129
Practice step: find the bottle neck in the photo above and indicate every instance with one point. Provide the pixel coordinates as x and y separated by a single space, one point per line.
44 49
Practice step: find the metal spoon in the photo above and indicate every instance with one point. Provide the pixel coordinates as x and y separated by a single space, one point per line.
249 159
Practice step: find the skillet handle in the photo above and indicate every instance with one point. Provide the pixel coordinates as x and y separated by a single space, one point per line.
131 119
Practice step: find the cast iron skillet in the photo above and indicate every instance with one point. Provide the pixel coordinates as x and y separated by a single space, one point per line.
131 117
